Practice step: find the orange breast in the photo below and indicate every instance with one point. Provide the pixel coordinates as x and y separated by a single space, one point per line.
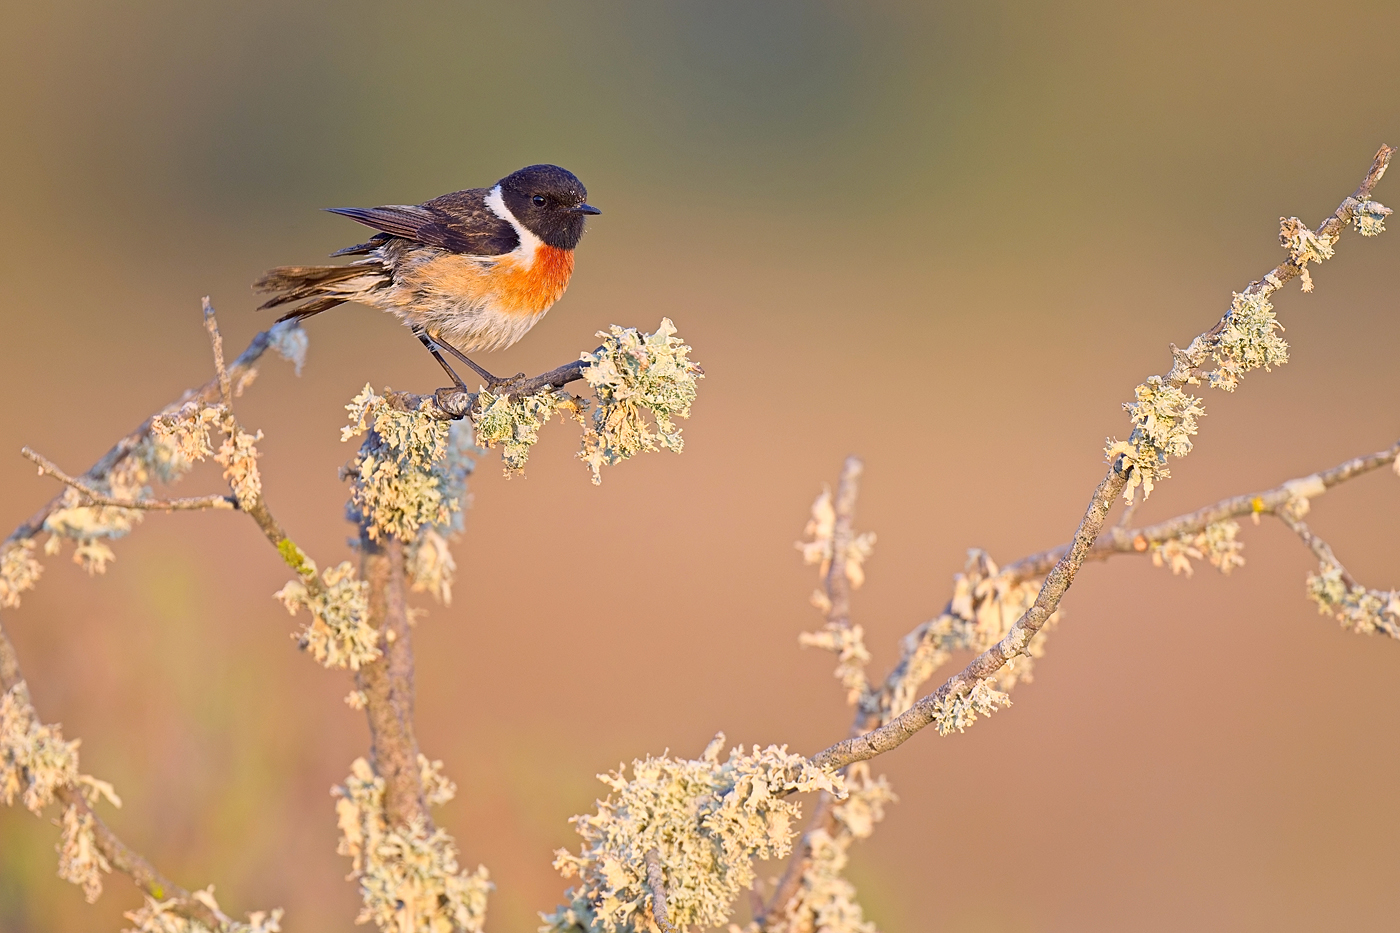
505 286
532 290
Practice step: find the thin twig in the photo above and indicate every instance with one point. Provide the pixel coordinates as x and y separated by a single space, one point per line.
453 404
241 373
211 324
1319 547
656 880
1267 501
837 585
95 497
1185 363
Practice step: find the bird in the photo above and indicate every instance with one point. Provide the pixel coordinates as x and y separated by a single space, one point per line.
466 271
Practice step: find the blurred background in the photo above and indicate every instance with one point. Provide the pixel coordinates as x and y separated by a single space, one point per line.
949 237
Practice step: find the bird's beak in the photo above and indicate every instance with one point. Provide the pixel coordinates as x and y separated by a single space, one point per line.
584 209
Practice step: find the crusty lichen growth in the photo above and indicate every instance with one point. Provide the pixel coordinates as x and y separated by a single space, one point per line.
409 878
430 564
35 762
79 860
708 820
1215 544
1249 340
399 481
1369 217
986 604
19 571
957 711
631 373
845 640
515 422
825 901
1361 610
339 633
158 916
1164 420
1304 246
820 548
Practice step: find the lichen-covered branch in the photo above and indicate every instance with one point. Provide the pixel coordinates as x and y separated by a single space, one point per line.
1163 419
93 496
387 684
1264 502
104 503
91 847
287 339
631 374
840 554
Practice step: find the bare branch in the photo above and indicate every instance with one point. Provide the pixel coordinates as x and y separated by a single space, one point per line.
453 404
95 497
1319 547
387 683
211 324
657 882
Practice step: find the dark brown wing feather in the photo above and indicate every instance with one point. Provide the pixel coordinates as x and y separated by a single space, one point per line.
459 222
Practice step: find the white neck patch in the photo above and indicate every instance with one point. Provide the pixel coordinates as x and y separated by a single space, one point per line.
529 243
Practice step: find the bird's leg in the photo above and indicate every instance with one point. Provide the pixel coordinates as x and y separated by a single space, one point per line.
432 346
491 381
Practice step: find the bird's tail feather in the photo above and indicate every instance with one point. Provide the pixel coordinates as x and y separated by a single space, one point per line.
318 287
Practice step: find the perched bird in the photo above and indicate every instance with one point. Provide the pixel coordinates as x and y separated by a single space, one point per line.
470 270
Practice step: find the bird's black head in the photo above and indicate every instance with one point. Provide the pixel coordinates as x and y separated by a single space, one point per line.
549 201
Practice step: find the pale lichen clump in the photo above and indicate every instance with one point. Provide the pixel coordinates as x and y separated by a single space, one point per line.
238 455
399 473
35 763
1215 544
163 916
825 901
708 821
19 571
1248 340
430 564
957 711
515 422
409 878
290 341
845 640
632 372
820 548
1361 610
339 633
1164 420
1369 217
35 760
986 604
80 861
1304 246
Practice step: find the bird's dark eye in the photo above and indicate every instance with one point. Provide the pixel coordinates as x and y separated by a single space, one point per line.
539 200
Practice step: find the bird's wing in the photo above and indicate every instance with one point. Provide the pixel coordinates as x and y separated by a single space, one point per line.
459 222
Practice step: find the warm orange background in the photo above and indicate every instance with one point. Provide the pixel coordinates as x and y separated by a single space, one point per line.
948 237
